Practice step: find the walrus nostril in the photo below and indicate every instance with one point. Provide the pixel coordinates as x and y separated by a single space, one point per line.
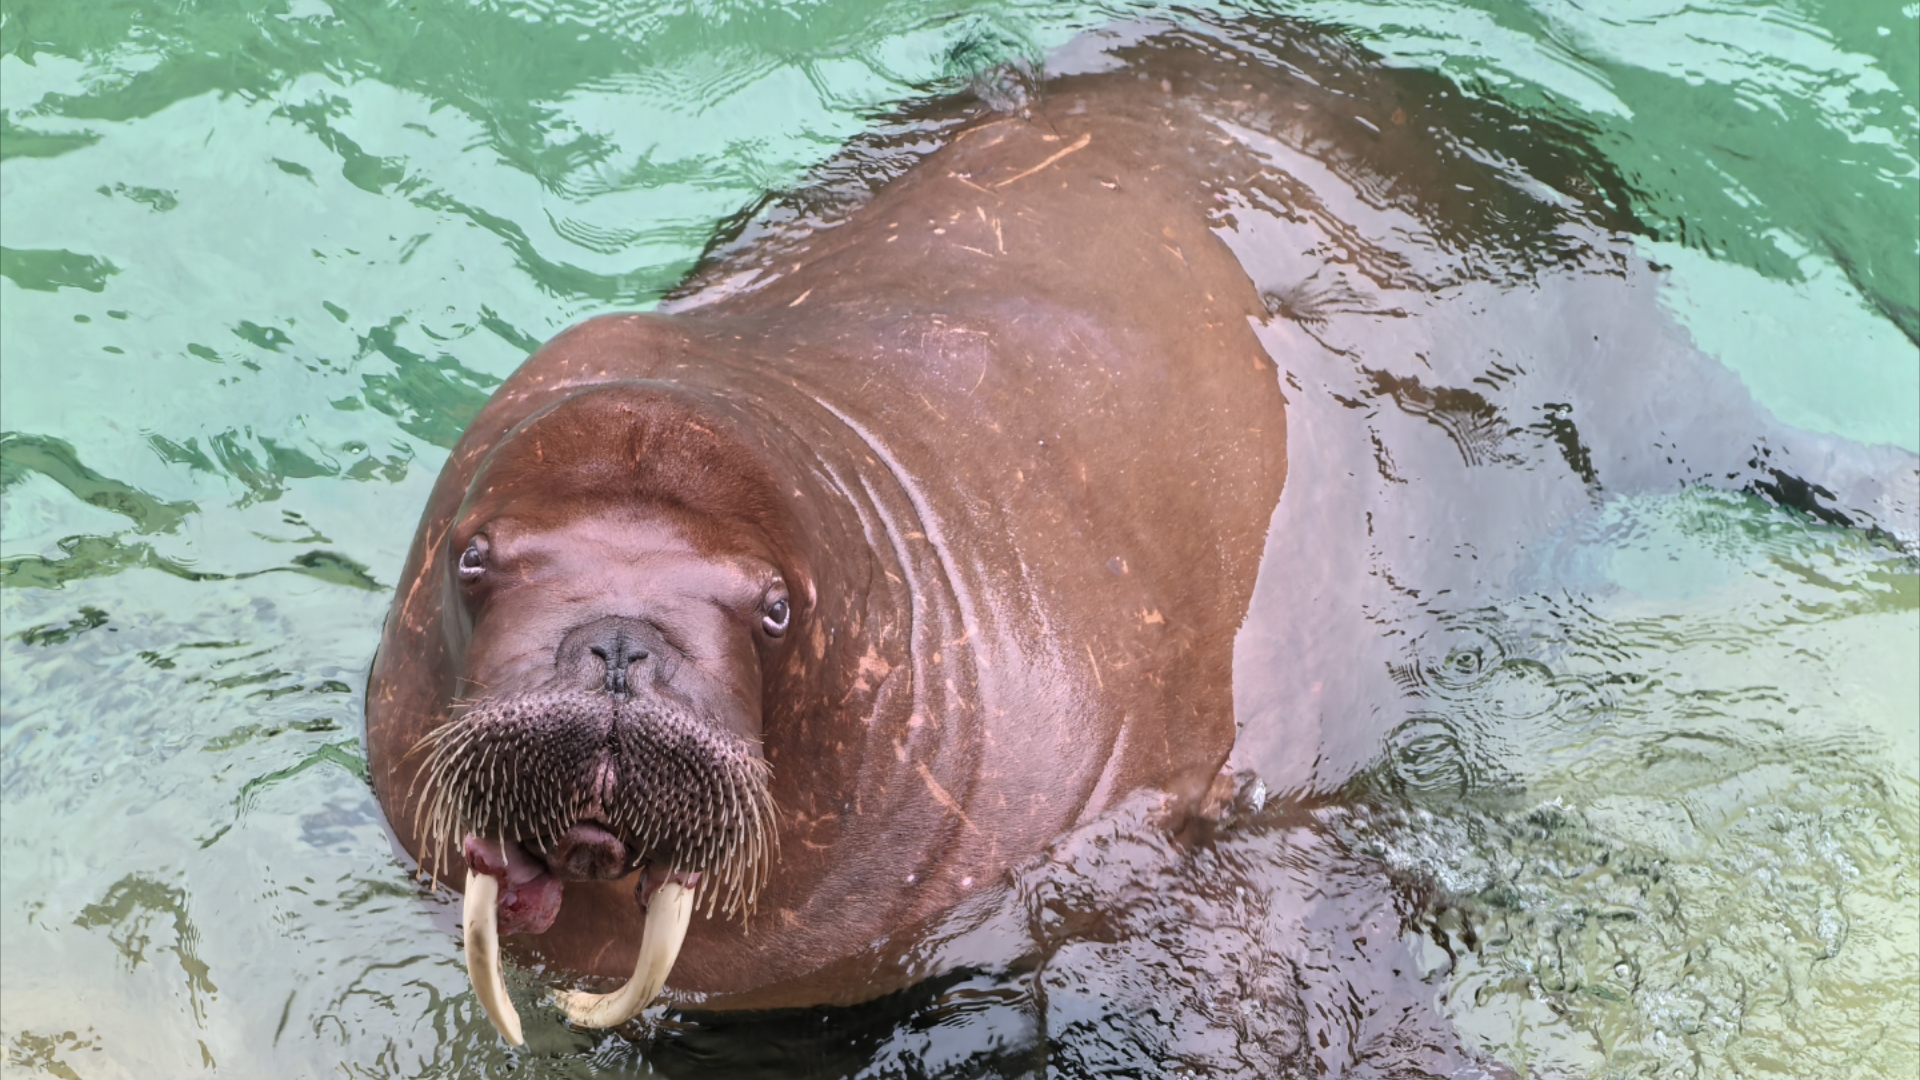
619 654
602 656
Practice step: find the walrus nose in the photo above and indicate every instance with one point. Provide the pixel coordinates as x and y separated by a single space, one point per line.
619 653
610 648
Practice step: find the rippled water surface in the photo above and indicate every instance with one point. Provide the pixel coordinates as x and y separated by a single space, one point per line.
1580 687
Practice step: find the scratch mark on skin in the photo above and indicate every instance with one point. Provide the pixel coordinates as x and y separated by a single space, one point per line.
940 795
801 298
602 954
1080 144
971 184
1098 681
984 128
975 250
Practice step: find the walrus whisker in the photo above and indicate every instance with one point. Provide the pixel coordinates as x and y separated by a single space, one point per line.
513 768
435 775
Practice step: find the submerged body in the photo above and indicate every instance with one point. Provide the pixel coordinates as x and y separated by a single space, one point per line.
995 458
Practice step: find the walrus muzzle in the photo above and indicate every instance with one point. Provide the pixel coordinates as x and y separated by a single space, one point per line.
516 783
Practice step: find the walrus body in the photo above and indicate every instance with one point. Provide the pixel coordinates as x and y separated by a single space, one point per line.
1004 441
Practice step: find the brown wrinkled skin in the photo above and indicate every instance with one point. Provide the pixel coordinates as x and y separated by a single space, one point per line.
1027 449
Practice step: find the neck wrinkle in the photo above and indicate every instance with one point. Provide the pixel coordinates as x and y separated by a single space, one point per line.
925 611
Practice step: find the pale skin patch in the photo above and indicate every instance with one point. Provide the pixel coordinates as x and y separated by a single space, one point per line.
873 668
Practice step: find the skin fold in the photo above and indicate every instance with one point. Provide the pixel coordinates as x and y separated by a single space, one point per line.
1012 449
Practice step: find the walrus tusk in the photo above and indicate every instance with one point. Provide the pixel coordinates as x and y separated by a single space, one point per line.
480 926
668 915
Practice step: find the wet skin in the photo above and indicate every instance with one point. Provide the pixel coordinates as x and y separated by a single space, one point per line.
1023 449
1023 434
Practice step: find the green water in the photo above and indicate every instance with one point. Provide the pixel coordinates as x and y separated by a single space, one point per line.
262 262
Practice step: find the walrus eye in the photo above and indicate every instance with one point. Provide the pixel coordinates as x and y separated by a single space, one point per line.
774 622
473 561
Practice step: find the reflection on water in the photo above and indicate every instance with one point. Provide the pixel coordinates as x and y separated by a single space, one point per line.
1577 696
1683 860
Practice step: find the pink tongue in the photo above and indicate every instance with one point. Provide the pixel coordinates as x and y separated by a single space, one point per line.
529 896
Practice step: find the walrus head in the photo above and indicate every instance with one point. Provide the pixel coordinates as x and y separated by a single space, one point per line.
622 562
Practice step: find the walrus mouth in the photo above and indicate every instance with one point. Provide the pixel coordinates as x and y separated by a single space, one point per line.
537 788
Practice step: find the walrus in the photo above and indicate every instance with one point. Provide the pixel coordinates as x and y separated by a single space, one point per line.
815 600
